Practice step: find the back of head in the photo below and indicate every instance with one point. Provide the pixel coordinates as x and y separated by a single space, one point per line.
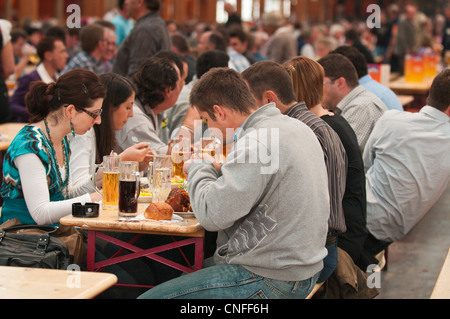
211 59
78 87
180 42
153 5
439 97
273 19
307 77
268 75
356 57
176 58
150 89
90 35
336 66
224 87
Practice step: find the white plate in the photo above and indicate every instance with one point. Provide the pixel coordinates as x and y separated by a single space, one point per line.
145 199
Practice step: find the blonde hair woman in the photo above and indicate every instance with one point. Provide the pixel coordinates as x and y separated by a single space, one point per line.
308 78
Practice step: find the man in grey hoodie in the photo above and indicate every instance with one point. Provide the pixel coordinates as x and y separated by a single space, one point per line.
269 202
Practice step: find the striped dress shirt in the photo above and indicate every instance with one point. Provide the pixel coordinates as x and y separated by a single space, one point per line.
361 109
335 161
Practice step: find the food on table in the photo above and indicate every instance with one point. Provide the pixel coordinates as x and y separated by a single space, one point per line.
159 211
179 200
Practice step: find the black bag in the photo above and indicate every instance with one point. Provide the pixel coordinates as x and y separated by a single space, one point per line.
20 248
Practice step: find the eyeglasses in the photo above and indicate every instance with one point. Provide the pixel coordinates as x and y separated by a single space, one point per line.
329 81
110 43
94 115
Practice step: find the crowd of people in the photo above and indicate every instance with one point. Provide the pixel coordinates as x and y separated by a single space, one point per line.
349 171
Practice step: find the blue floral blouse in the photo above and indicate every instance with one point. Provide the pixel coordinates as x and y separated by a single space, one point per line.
30 140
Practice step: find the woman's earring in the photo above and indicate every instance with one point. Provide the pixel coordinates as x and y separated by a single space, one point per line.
71 127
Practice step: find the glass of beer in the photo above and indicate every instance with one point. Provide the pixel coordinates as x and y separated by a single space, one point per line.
161 178
110 181
129 188
212 146
181 152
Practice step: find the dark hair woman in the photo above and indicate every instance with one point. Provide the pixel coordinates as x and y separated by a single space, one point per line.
89 149
36 187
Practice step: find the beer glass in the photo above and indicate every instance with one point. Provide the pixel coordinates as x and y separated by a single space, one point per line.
110 181
161 177
129 188
212 146
181 152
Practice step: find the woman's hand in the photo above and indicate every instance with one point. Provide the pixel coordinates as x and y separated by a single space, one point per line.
138 153
95 197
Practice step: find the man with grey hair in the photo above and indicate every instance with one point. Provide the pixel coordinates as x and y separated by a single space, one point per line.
149 36
281 45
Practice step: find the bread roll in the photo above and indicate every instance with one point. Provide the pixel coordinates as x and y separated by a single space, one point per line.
159 211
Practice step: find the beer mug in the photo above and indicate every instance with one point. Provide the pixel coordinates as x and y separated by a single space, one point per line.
161 177
181 152
129 188
110 181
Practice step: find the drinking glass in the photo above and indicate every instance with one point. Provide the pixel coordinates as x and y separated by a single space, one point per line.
180 153
161 177
110 183
129 188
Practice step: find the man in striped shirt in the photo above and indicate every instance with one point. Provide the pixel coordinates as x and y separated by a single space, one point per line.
343 94
269 82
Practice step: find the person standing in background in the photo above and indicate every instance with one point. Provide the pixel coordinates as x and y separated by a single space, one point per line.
149 36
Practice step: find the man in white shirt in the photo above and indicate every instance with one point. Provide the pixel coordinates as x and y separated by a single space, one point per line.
407 163
343 93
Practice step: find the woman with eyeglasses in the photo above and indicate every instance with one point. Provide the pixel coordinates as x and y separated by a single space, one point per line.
36 188
89 149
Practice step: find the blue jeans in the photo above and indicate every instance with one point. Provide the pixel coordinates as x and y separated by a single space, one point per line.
329 262
229 282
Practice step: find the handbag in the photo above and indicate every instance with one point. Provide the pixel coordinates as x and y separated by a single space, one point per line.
33 246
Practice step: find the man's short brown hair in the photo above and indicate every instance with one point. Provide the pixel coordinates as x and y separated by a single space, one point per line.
224 87
336 66
268 75
90 35
439 97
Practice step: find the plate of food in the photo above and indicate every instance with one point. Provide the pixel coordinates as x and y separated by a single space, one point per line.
178 203
177 182
145 195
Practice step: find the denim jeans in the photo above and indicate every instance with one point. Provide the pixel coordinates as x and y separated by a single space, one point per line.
329 262
229 282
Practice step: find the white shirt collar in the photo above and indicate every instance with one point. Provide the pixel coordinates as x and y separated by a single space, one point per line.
42 71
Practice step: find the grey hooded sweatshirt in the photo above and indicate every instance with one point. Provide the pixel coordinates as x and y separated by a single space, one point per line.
269 202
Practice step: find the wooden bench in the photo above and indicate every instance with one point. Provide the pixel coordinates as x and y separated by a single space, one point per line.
315 289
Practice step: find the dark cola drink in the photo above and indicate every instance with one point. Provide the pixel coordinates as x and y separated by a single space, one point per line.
127 198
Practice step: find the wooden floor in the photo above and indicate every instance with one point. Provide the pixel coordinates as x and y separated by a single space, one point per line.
414 263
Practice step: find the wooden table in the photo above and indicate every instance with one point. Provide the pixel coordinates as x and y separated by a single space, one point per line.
400 86
442 287
36 283
405 99
108 221
10 130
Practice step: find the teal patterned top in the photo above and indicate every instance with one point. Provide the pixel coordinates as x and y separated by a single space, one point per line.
30 140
